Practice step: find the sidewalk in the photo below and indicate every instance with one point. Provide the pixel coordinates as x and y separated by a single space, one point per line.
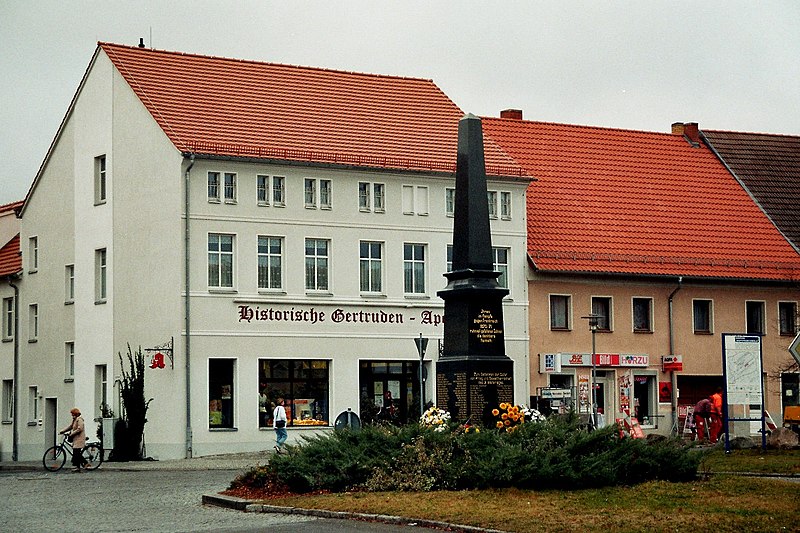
233 461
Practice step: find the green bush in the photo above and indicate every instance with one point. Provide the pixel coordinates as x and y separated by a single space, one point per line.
557 453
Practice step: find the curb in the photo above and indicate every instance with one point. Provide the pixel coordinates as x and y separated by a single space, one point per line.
241 504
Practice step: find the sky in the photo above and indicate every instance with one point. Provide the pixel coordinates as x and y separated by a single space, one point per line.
730 65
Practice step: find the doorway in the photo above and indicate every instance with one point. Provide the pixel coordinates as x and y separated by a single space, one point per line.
389 391
604 387
50 421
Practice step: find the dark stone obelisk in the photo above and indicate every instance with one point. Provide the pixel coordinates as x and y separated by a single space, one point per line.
473 374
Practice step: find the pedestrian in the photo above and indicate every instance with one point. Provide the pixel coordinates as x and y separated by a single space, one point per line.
716 415
76 434
279 423
702 412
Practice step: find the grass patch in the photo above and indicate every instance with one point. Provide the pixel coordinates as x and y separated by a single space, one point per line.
771 461
721 504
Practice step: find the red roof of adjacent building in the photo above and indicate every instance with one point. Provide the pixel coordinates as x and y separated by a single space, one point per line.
218 106
10 257
613 201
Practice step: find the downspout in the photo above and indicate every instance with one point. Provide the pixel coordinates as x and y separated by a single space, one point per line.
15 391
187 308
673 376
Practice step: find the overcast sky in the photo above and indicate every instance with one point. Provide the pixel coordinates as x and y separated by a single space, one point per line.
640 65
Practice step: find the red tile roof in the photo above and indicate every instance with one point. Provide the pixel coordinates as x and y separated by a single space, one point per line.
769 166
10 257
219 106
632 202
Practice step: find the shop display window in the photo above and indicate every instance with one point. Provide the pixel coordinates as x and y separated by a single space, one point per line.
644 406
220 393
302 383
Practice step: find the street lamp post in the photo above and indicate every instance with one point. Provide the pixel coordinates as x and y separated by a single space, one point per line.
422 344
593 319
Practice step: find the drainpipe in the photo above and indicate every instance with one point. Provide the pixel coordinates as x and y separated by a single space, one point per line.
673 376
15 390
187 314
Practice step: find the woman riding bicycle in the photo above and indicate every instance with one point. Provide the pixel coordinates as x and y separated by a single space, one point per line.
77 435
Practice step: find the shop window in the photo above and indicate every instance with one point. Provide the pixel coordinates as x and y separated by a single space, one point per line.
702 317
220 393
643 315
787 318
755 317
560 311
644 405
304 386
601 306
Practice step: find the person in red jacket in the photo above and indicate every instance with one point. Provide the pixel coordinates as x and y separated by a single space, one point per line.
716 415
702 412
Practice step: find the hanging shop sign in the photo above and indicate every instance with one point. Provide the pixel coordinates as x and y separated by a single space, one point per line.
549 362
670 363
604 359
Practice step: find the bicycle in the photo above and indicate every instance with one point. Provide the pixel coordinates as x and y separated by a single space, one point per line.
55 456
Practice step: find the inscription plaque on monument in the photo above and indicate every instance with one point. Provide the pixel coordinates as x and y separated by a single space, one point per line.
473 374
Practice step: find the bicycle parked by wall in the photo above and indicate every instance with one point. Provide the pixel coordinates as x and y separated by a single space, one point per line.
56 456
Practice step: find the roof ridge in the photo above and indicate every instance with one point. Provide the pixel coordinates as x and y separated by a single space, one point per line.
735 132
583 126
104 45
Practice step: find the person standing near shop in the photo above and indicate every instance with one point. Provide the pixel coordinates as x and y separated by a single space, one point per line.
279 424
76 433
716 415
702 412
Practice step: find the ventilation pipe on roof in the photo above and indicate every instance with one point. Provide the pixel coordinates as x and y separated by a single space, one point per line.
690 132
515 114
141 42
673 377
187 307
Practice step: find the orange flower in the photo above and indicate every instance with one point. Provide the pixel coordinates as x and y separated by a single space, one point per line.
495 412
505 416
507 422
499 424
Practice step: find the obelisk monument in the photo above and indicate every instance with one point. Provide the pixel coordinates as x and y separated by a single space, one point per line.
473 374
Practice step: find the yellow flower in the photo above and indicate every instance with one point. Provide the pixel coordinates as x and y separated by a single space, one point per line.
504 405
499 424
505 416
507 422
495 412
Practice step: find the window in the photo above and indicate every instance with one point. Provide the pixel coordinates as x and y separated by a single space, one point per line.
69 284
33 322
33 254
371 263
601 306
8 319
213 187
505 205
230 188
450 201
787 318
644 396
221 393
317 264
560 311
702 317
449 266
100 180
100 390
100 276
414 268
8 401
500 264
302 383
642 315
220 261
755 317
317 198
270 262
371 197
33 405
263 190
69 360
415 200
491 196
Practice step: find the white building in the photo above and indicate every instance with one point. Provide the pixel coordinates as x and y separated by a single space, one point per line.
285 228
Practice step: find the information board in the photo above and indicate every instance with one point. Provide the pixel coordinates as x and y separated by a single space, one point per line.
743 372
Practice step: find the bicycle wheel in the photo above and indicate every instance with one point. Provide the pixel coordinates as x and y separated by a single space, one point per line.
54 458
92 455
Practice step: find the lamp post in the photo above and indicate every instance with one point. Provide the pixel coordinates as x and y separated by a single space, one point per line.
593 320
422 344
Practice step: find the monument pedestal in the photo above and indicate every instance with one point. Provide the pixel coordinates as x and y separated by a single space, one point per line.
470 387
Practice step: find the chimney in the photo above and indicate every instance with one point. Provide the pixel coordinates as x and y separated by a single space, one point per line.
515 114
141 42
689 130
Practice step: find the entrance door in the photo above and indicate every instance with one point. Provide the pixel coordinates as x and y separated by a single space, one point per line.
50 421
389 391
604 386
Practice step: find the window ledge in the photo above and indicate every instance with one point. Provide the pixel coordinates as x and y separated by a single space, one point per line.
32 423
703 333
373 296
99 202
100 302
231 202
273 292
223 430
645 331
320 294
8 339
416 297
33 340
69 380
33 271
7 422
69 302
263 204
560 329
213 200
222 290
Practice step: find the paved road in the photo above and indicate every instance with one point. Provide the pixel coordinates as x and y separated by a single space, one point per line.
148 500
